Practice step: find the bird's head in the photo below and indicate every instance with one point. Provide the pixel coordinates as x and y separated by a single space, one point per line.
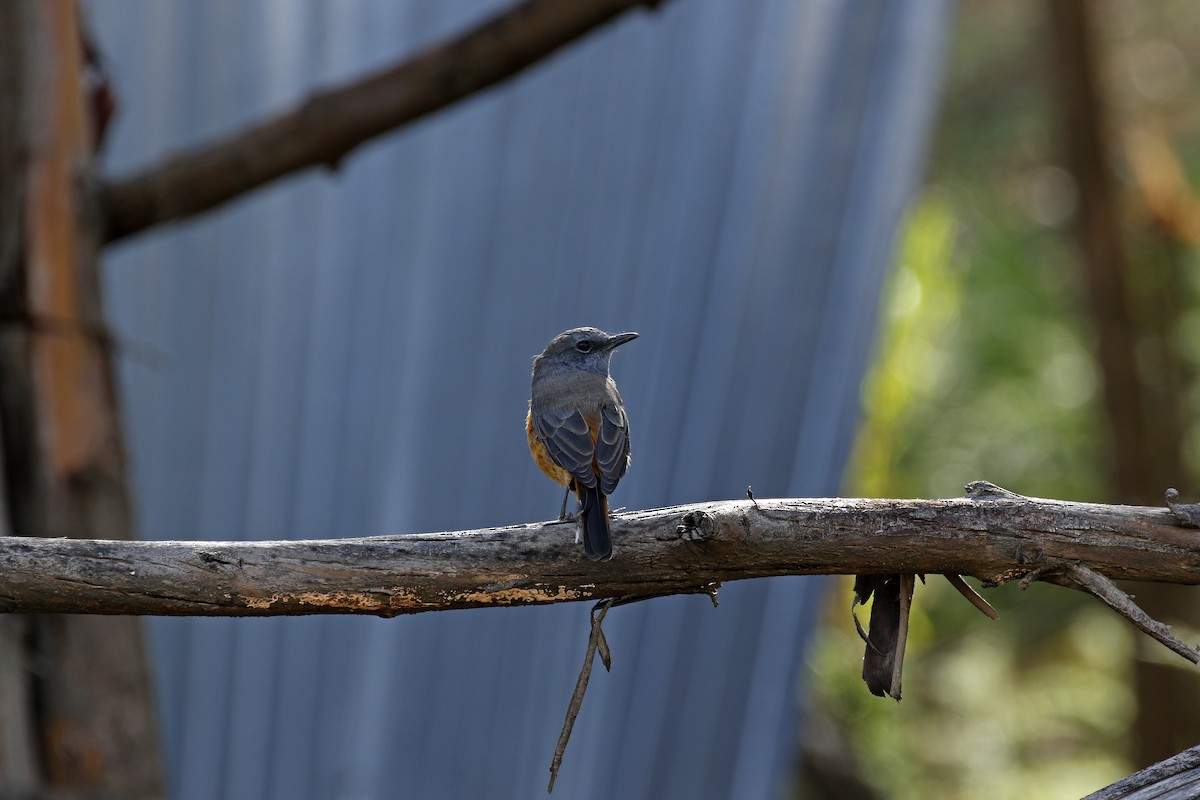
585 349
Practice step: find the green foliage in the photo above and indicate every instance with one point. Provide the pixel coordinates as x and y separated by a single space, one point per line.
993 710
982 374
985 370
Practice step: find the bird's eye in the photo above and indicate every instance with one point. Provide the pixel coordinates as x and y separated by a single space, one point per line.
584 347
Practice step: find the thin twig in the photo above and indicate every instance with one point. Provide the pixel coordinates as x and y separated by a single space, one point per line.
1108 593
972 596
862 634
596 642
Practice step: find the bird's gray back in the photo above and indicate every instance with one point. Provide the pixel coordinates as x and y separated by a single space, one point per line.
564 386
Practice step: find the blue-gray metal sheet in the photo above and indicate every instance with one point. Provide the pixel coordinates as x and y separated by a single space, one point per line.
348 354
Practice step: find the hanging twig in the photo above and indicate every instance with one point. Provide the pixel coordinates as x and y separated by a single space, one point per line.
596 643
972 596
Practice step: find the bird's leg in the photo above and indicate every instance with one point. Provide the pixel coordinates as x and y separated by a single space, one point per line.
563 516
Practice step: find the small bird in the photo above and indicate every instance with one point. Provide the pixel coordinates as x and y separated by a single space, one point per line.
577 428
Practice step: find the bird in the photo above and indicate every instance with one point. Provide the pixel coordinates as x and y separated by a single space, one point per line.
577 427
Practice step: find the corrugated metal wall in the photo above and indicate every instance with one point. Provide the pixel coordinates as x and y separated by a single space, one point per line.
349 355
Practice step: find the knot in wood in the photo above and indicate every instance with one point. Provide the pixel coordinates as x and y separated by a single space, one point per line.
986 490
1188 514
697 526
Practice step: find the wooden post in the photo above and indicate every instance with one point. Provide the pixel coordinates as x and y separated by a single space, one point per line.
77 687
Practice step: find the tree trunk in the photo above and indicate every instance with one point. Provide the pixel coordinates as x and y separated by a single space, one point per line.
75 690
1145 420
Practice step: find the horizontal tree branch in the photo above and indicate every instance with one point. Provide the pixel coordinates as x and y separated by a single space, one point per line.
327 126
990 534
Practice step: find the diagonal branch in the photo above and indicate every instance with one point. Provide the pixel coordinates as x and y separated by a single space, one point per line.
330 124
1107 592
1175 778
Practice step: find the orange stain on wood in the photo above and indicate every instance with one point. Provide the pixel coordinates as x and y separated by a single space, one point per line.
67 365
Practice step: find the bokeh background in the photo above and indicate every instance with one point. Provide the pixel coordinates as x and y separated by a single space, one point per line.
850 237
988 368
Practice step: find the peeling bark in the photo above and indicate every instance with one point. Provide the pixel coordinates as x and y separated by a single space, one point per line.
993 537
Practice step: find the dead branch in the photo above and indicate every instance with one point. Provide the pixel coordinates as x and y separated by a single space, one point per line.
1176 778
596 643
1107 592
326 127
972 596
992 535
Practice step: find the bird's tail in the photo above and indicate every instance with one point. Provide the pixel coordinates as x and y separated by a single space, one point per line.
593 515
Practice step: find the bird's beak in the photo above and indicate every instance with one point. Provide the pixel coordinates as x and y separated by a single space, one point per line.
618 339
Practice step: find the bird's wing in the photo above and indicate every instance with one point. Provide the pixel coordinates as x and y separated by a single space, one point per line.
612 446
568 440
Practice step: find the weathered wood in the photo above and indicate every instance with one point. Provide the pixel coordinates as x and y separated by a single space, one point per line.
330 124
84 716
18 731
993 536
1176 778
